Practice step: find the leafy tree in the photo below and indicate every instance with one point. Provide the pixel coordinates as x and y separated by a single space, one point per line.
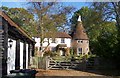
50 16
21 17
41 19
111 11
91 20
102 31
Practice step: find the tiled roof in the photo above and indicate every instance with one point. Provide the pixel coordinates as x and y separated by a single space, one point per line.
80 32
56 35
12 23
61 45
62 35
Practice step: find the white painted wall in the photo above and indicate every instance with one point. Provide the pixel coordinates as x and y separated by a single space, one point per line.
21 55
58 41
37 40
11 56
26 56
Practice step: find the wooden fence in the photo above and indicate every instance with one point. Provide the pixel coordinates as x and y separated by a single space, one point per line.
50 63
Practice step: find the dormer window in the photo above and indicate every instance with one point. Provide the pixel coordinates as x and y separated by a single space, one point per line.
62 40
53 40
45 40
80 41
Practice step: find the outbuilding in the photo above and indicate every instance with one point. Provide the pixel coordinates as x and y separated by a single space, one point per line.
80 41
16 46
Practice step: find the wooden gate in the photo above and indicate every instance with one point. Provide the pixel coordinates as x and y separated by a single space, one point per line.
76 64
51 63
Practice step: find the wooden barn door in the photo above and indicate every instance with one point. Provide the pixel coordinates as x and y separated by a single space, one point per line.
11 56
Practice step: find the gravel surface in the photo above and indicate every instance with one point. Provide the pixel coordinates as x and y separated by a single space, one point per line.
64 73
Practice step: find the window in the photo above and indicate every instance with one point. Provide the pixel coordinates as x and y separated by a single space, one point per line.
53 40
80 41
87 49
40 48
79 51
0 27
0 19
62 40
53 49
45 40
87 41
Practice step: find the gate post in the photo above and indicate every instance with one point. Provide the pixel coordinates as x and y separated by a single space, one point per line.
84 63
47 62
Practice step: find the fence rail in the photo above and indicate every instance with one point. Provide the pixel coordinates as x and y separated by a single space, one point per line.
51 63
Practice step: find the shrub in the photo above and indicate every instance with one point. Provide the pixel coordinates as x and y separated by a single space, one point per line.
47 53
54 54
50 53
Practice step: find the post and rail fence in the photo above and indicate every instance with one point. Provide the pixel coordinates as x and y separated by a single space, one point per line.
49 63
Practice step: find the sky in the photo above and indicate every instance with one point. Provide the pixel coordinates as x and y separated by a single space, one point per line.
17 4
77 5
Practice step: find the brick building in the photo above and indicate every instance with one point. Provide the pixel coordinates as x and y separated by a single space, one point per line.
80 40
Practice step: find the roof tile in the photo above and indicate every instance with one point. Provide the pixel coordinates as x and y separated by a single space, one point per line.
80 32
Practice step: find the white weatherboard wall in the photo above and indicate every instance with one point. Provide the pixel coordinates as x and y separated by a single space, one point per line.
26 56
37 40
11 56
58 41
21 55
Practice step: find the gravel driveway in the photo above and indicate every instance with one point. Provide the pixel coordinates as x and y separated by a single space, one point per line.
64 73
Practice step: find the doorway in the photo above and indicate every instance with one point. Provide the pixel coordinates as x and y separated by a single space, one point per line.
62 52
11 55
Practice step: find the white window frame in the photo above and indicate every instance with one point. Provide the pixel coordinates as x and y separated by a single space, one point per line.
62 40
87 41
79 51
80 41
53 40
